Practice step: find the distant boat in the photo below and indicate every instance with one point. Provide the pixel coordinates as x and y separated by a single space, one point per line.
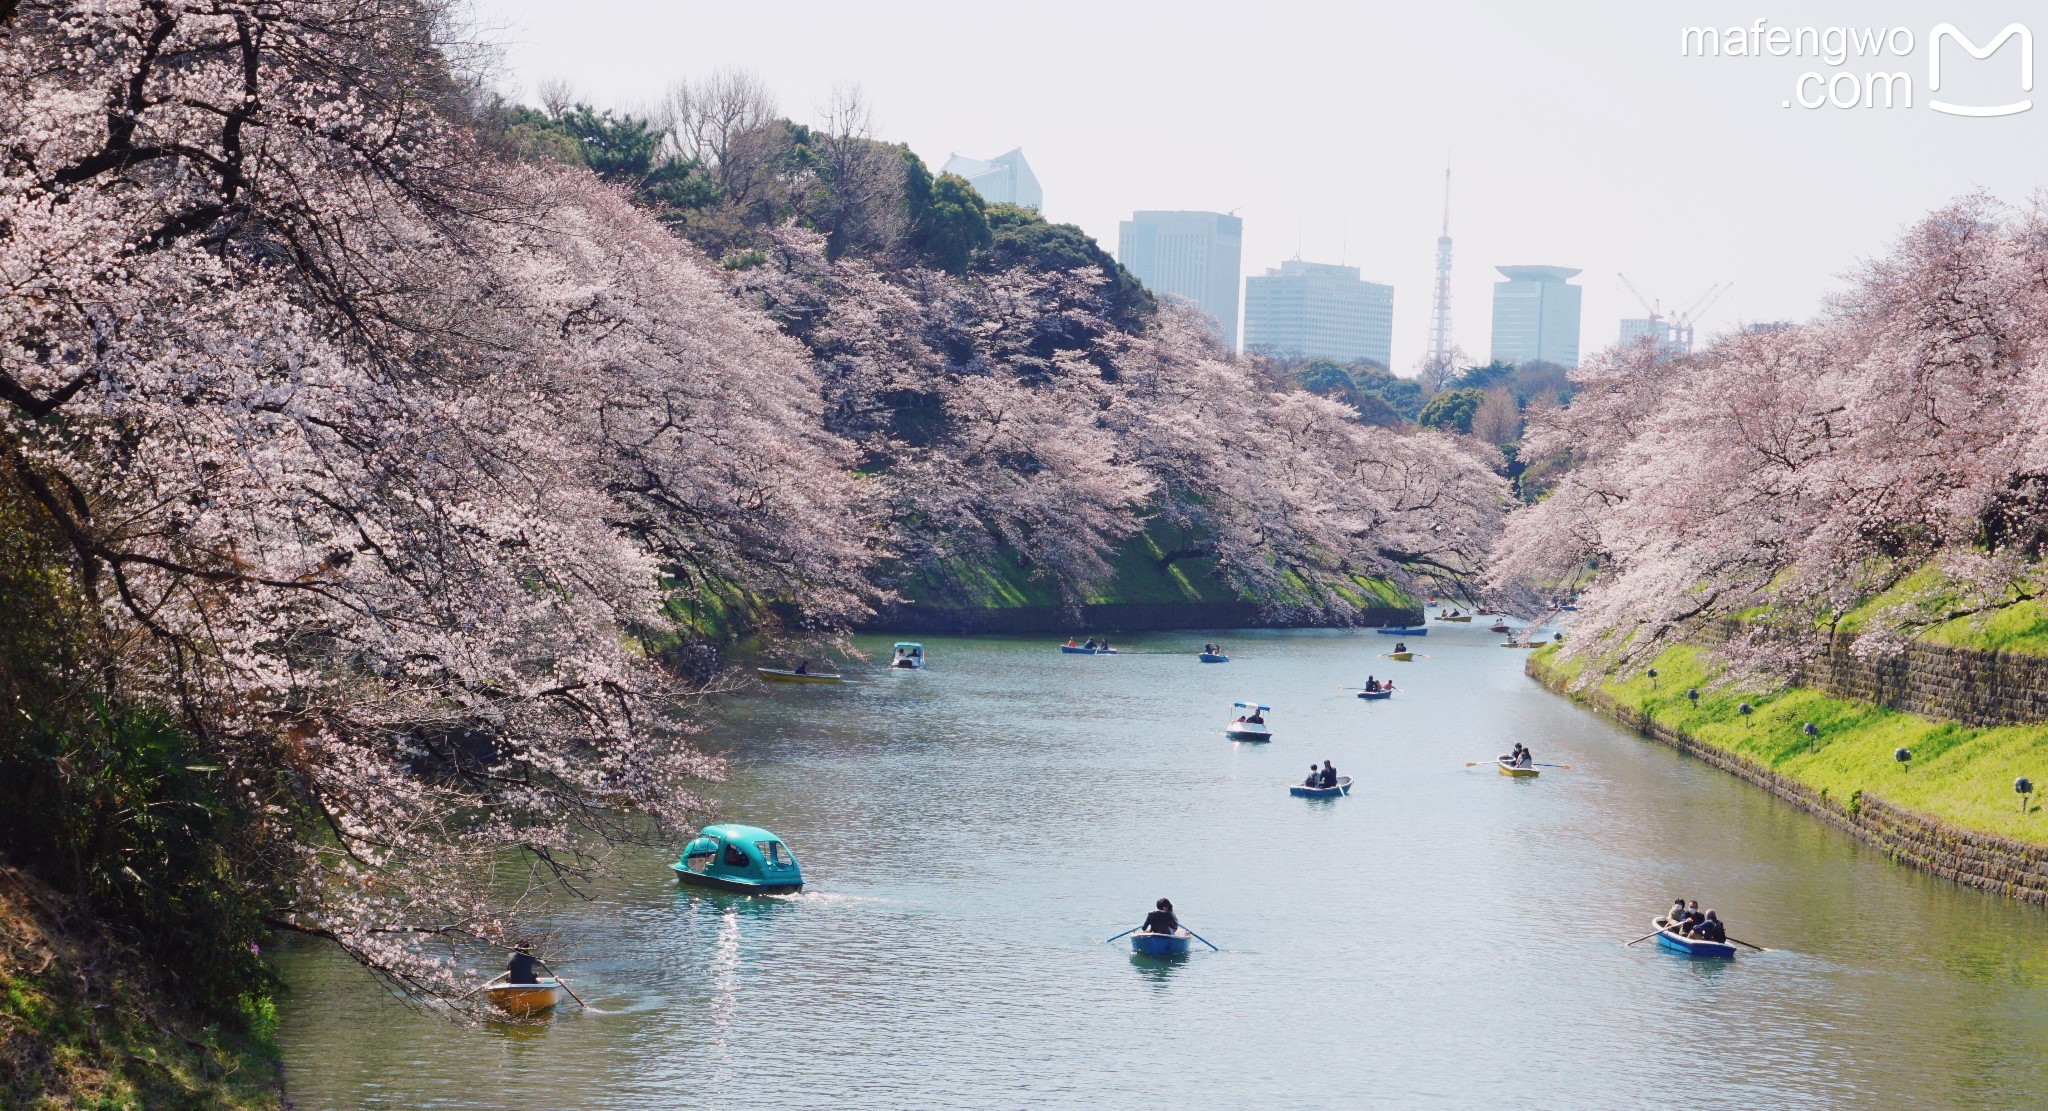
525 1000
1498 627
744 859
1404 631
1383 692
1460 617
785 675
909 656
1690 946
1071 650
1160 945
1214 658
1303 791
1404 657
1519 773
1248 730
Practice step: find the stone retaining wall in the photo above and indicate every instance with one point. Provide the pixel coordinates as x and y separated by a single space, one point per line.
1967 685
2011 868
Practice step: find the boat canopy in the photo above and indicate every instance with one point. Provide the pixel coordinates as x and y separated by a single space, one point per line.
743 851
1251 706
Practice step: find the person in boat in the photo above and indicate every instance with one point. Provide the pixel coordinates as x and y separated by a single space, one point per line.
1315 777
1161 920
521 968
1329 775
1371 683
1676 915
734 858
1709 929
1090 644
1104 646
1257 718
1400 647
803 667
1525 758
1071 644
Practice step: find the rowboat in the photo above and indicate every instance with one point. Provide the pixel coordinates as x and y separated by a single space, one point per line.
525 1000
1460 617
1174 944
784 675
748 860
908 655
1690 946
1303 791
1498 627
1383 692
1518 644
1073 651
1248 730
1404 657
1519 773
1404 631
1214 658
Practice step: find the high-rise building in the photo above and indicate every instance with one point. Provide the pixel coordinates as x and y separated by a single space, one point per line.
1004 179
1312 309
1195 255
1656 329
1536 316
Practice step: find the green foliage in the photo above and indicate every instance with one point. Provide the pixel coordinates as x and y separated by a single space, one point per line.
619 148
1527 383
1452 409
113 805
1935 607
948 219
1022 237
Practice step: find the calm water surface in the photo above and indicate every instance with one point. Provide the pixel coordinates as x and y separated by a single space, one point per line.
1443 938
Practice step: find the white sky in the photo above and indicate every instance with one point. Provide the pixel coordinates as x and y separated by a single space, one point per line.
1580 139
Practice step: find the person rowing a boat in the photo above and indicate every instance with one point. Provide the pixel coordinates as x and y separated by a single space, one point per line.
1708 928
1161 920
1329 775
520 969
1371 683
1400 647
803 667
1090 644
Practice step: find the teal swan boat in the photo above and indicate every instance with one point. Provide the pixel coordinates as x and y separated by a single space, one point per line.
745 859
1174 944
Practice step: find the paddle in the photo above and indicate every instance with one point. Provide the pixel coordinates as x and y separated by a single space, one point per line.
563 985
1647 936
1132 930
1758 948
1200 938
1476 763
482 986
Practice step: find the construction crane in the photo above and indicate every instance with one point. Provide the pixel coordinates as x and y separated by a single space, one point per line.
1682 320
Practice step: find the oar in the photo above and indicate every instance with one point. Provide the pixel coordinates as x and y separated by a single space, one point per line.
563 985
1550 765
1647 936
1200 938
1132 930
1758 948
480 987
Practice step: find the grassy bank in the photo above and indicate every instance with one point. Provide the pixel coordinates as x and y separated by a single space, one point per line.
1960 775
1140 574
77 1031
2020 626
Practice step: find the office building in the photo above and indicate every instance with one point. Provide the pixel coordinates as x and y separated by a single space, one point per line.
1656 329
1536 316
1312 309
1004 179
1197 256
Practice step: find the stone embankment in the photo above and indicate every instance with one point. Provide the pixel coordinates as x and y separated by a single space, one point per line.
2012 868
1966 685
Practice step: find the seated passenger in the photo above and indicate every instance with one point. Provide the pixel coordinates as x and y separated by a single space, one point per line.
1676 915
734 858
1161 920
1710 929
1315 777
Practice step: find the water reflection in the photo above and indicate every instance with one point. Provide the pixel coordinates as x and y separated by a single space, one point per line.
1452 935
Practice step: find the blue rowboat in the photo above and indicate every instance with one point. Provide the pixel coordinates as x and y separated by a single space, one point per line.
1383 692
1160 945
1215 658
1416 631
744 859
1690 946
1073 651
1301 791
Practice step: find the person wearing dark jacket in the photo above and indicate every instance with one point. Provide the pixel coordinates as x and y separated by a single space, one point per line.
1161 920
520 969
1329 775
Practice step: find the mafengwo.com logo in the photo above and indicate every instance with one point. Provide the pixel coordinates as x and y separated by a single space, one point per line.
1874 67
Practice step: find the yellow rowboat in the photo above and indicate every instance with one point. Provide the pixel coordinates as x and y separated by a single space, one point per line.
784 675
1518 773
525 1000
1401 656
1460 617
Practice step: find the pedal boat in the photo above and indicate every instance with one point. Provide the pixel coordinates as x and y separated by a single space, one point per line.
747 860
1247 730
908 656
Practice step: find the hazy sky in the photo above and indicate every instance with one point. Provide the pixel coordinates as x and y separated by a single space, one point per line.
1577 137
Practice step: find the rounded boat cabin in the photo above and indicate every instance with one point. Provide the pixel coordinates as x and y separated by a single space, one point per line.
732 857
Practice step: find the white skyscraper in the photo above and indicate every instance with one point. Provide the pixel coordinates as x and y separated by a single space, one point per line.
1536 316
1004 179
1194 255
1312 309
